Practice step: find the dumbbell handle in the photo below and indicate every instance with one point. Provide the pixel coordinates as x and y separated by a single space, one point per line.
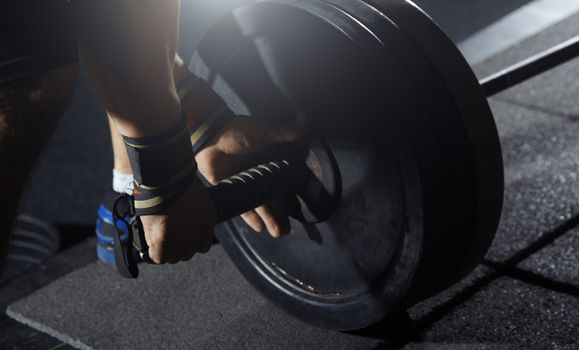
256 186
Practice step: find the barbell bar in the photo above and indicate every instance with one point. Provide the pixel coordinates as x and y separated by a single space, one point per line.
531 67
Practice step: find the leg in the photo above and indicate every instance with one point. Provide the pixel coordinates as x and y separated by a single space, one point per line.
29 113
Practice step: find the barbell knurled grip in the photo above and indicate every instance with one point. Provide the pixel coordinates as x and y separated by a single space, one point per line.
257 186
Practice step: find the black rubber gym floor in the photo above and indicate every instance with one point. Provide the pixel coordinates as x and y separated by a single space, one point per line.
525 294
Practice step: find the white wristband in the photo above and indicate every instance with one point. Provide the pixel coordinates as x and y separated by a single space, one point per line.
123 183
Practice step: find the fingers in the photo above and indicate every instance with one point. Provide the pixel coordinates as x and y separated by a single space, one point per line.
275 218
181 251
145 258
272 218
156 253
190 250
225 154
207 242
254 221
162 253
170 244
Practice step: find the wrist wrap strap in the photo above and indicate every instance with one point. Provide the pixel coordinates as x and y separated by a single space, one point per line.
163 167
188 86
209 125
213 115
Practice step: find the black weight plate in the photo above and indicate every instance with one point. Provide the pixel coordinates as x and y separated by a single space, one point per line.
476 117
340 267
435 190
449 226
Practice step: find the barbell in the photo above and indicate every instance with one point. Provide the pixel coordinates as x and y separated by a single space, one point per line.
400 181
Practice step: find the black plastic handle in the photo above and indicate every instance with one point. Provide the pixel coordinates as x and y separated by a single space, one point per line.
256 186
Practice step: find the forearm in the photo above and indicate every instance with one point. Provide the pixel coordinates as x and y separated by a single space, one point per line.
128 49
121 160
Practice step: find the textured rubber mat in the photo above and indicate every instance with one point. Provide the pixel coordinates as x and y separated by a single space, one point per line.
201 304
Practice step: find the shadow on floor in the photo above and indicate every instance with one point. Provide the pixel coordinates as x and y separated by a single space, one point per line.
401 329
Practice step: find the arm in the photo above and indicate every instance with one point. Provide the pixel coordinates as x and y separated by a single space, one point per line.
223 156
128 50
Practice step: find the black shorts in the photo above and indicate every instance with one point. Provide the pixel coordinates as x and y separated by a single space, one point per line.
36 36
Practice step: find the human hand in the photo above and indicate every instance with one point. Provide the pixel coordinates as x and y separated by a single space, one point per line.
184 228
241 140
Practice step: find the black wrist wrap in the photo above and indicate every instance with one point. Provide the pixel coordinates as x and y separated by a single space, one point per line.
163 167
215 115
209 124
